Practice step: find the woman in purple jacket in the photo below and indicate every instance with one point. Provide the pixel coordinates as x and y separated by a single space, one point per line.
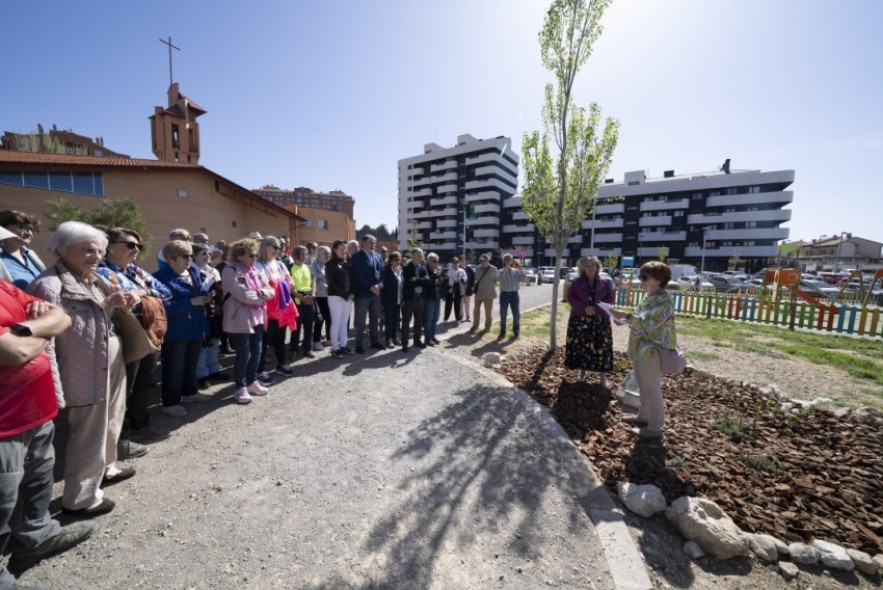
589 345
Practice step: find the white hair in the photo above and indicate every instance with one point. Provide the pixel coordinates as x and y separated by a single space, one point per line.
71 233
432 257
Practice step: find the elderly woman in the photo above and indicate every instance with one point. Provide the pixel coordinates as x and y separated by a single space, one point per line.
281 310
120 269
208 365
323 315
188 326
432 296
18 264
91 363
340 296
246 290
589 344
652 325
391 298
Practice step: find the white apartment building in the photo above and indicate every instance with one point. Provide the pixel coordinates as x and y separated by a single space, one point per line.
708 219
451 199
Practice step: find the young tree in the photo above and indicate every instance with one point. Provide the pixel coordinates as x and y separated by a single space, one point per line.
559 195
662 253
122 212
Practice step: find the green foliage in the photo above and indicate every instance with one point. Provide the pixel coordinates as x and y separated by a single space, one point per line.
610 262
662 253
735 428
761 463
680 462
121 212
413 240
559 194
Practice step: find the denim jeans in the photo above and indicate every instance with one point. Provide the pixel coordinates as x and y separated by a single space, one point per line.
510 299
208 360
431 309
248 355
26 462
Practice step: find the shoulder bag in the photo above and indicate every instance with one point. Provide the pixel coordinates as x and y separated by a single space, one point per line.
671 361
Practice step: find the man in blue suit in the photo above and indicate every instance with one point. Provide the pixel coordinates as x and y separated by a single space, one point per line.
367 268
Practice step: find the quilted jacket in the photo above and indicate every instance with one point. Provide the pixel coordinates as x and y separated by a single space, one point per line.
81 350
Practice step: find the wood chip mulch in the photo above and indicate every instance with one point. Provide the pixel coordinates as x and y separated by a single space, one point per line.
796 477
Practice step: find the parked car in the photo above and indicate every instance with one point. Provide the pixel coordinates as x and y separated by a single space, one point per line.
547 274
530 275
688 283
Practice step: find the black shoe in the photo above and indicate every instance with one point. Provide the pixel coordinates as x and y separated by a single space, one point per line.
346 350
127 449
405 348
309 354
144 435
501 336
360 350
203 383
337 353
429 342
124 474
396 342
265 379
103 508
219 376
435 341
70 536
226 351
419 344
378 346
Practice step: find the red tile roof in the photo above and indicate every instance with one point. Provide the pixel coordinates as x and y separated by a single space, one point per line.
66 160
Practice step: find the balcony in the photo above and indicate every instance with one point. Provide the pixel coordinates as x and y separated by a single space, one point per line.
665 205
447 177
519 216
440 246
483 246
648 252
550 253
610 209
661 236
607 238
603 224
488 183
767 233
487 208
504 173
423 192
654 221
750 199
512 202
729 251
523 241
442 201
519 229
446 223
450 212
600 253
488 157
443 235
483 196
447 188
424 225
486 233
486 220
450 165
740 216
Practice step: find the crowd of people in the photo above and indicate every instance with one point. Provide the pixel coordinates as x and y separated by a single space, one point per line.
67 340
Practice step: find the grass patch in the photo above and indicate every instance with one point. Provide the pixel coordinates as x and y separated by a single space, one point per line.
735 428
699 355
761 463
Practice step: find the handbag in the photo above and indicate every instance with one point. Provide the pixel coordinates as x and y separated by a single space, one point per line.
671 361
136 344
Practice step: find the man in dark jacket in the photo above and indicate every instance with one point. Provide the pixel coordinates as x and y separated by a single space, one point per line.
416 279
367 268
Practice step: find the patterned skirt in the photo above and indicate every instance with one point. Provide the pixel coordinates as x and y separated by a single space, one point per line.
589 344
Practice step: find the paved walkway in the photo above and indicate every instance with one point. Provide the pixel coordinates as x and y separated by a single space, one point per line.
382 471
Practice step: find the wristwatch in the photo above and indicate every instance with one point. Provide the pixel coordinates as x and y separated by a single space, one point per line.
21 330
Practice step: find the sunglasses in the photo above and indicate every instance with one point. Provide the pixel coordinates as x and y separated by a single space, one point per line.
129 245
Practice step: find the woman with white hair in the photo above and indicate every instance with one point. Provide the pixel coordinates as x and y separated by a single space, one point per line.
90 359
281 310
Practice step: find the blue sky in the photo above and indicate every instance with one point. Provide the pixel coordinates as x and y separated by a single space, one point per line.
332 94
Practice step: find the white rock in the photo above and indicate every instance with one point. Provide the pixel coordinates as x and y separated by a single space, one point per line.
781 546
645 500
703 521
492 358
863 562
788 570
842 413
763 546
787 407
833 556
878 559
803 553
820 402
693 549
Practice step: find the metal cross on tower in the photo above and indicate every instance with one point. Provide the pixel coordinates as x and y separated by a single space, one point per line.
169 43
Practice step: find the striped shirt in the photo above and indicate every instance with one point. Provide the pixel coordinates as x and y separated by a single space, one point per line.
510 279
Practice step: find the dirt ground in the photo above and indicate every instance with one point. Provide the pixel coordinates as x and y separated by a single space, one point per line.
581 409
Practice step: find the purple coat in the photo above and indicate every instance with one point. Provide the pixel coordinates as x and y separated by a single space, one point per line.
578 295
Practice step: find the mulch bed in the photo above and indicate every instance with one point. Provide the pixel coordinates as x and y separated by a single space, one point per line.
796 477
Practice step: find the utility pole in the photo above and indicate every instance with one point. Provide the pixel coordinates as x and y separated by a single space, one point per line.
702 263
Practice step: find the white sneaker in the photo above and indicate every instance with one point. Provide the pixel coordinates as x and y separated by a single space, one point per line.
318 346
176 411
257 389
242 396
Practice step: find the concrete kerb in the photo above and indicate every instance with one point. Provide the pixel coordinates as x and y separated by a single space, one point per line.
624 560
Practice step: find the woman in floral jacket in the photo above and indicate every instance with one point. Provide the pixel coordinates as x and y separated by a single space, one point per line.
652 325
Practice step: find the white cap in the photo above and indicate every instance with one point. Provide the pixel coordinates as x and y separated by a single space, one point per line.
5 234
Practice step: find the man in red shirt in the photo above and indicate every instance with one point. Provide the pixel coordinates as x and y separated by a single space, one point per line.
27 406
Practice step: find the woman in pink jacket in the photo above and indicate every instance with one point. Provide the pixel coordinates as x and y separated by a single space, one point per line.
246 292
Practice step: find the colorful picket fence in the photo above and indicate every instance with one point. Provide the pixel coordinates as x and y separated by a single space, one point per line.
839 318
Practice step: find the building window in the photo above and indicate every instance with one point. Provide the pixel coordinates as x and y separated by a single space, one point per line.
753 189
678 213
731 191
697 196
323 224
182 193
308 223
714 194
84 183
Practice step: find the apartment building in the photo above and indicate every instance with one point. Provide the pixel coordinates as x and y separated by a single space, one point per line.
326 216
451 199
709 219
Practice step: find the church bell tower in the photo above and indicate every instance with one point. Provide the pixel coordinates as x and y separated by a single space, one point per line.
174 130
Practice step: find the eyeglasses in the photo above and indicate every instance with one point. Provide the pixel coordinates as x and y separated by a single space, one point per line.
129 245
